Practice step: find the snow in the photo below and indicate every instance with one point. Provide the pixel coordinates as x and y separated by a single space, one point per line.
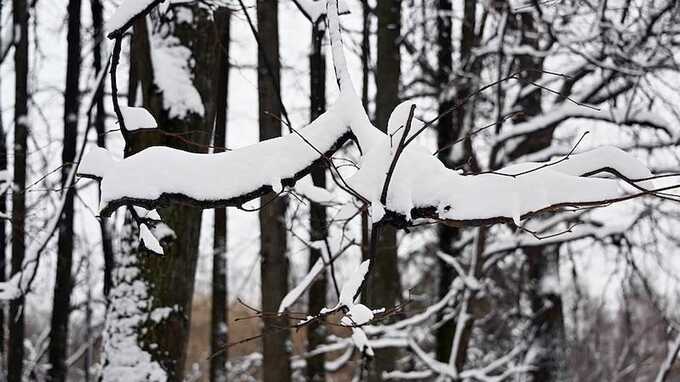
157 171
352 285
294 294
172 74
315 9
357 315
124 359
306 188
96 163
149 240
125 12
361 341
420 180
137 118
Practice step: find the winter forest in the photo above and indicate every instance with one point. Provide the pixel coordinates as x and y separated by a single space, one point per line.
339 190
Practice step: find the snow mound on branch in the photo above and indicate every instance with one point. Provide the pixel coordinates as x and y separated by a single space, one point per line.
156 171
96 163
421 180
137 118
357 315
125 12
306 188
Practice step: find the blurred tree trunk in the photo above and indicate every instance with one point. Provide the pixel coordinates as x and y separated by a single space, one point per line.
549 358
462 123
3 224
316 332
365 76
547 321
165 284
219 319
384 286
273 235
446 134
15 354
97 11
58 348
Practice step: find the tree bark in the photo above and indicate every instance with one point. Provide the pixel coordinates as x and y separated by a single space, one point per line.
97 11
273 259
15 354
58 348
219 318
384 286
316 332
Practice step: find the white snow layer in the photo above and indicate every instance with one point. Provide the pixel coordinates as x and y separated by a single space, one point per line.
315 9
126 12
149 240
208 177
137 118
352 285
172 74
295 293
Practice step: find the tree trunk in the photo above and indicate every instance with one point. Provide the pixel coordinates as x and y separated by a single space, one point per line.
316 332
446 134
3 234
100 129
273 260
547 321
150 311
15 354
58 348
549 358
449 130
384 286
219 319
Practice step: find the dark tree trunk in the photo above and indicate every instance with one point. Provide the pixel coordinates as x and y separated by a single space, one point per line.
3 234
273 258
460 122
316 332
58 348
446 134
100 129
15 354
384 286
219 319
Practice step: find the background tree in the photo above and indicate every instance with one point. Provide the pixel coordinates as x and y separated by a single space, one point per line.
318 221
384 285
219 334
15 352
273 232
64 279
